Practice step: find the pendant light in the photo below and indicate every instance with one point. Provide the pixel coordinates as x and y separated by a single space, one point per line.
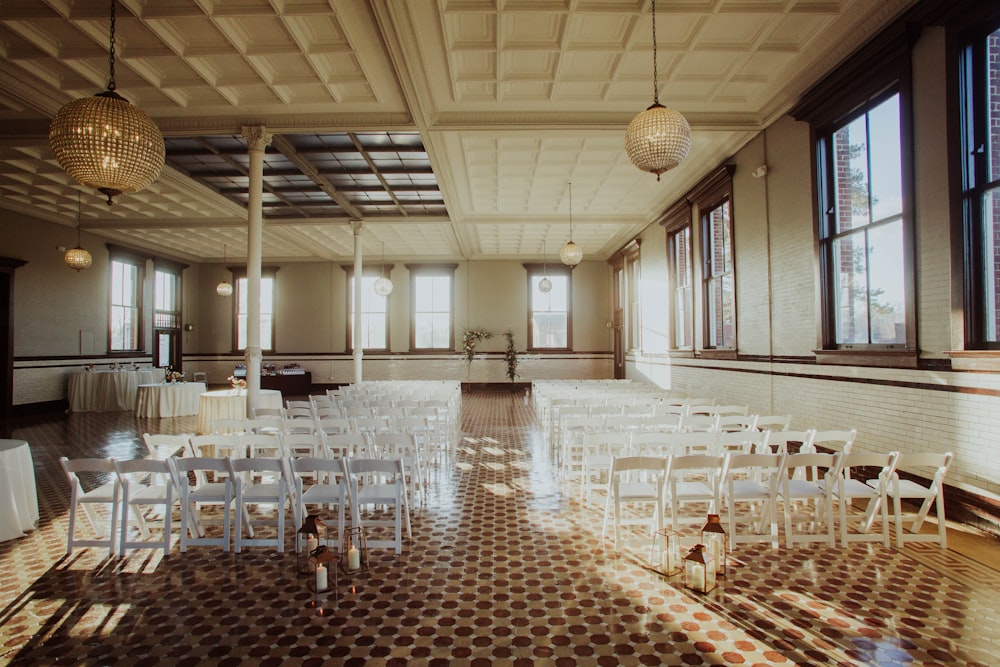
571 254
544 285
225 288
77 258
658 139
382 286
104 142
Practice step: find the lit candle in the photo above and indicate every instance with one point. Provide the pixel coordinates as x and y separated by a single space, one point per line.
311 544
353 558
321 581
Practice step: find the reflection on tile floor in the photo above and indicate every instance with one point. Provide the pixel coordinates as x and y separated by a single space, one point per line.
506 568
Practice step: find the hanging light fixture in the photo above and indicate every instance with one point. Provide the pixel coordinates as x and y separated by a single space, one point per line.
544 285
104 142
225 288
658 139
77 258
382 286
571 254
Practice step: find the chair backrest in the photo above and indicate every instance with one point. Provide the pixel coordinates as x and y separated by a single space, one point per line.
260 470
649 469
295 405
836 441
346 445
199 465
773 422
321 470
766 466
742 442
730 423
131 470
395 445
605 443
273 413
371 424
917 463
264 425
333 425
860 466
328 412
732 410
378 471
298 445
679 465
699 422
649 443
262 445
814 466
299 412
216 445
703 442
778 441
73 468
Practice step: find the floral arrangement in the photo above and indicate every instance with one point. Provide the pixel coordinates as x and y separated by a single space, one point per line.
237 383
510 356
170 375
470 337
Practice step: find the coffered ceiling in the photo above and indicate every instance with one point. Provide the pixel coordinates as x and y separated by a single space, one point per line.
451 128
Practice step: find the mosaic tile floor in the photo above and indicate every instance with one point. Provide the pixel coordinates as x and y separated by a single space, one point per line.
506 567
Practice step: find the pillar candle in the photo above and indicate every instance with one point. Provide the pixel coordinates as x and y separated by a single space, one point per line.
311 544
321 580
353 558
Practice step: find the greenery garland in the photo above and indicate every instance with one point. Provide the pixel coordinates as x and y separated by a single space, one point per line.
510 356
470 337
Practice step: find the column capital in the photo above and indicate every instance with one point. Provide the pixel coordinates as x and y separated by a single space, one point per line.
256 136
356 227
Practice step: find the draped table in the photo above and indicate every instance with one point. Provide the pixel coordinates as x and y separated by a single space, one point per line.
230 404
107 391
168 399
18 499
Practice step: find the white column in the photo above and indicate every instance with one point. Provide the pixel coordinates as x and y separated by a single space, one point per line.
257 139
356 226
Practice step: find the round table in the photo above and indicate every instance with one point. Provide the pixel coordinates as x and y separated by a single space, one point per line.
18 499
168 399
107 391
230 404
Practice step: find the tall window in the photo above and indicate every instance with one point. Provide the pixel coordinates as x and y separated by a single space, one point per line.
126 304
861 229
632 283
720 288
166 299
432 299
550 314
980 88
374 315
266 312
683 305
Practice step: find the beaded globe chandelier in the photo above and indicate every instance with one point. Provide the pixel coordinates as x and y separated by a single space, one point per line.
658 139
104 142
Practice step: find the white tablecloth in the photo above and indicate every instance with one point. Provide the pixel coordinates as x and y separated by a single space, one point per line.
230 404
18 499
107 391
168 400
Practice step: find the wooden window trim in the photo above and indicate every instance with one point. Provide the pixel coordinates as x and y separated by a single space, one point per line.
423 270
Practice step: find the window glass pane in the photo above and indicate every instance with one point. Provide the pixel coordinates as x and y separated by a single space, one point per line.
991 263
850 173
851 288
886 172
885 293
548 329
993 103
124 306
550 312
682 288
374 315
721 244
721 314
432 311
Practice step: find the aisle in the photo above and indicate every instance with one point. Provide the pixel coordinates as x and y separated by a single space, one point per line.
505 568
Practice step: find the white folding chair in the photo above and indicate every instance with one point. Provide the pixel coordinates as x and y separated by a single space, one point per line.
145 483
214 445
403 446
262 445
806 477
834 441
193 496
297 445
319 481
597 451
634 481
264 425
379 483
777 442
851 485
104 496
741 442
773 422
333 425
928 493
230 426
753 479
693 478
345 445
699 423
650 443
731 423
260 481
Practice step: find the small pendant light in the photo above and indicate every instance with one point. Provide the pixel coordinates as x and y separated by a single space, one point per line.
225 288
544 285
382 286
77 258
571 254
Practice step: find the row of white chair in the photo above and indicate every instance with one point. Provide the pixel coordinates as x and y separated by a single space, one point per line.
137 485
765 480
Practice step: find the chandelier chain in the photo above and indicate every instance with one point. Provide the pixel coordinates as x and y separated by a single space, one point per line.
571 211
656 91
111 50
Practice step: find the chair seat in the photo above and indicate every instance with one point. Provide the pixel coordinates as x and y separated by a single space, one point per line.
376 493
210 492
910 489
748 489
691 490
104 493
803 489
637 491
321 493
149 494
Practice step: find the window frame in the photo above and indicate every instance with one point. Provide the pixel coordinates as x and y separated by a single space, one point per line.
119 255
418 271
240 274
675 220
367 271
541 270
976 184
714 275
633 280
174 313
880 68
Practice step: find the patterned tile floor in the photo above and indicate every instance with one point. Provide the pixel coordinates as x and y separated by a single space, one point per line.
506 567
